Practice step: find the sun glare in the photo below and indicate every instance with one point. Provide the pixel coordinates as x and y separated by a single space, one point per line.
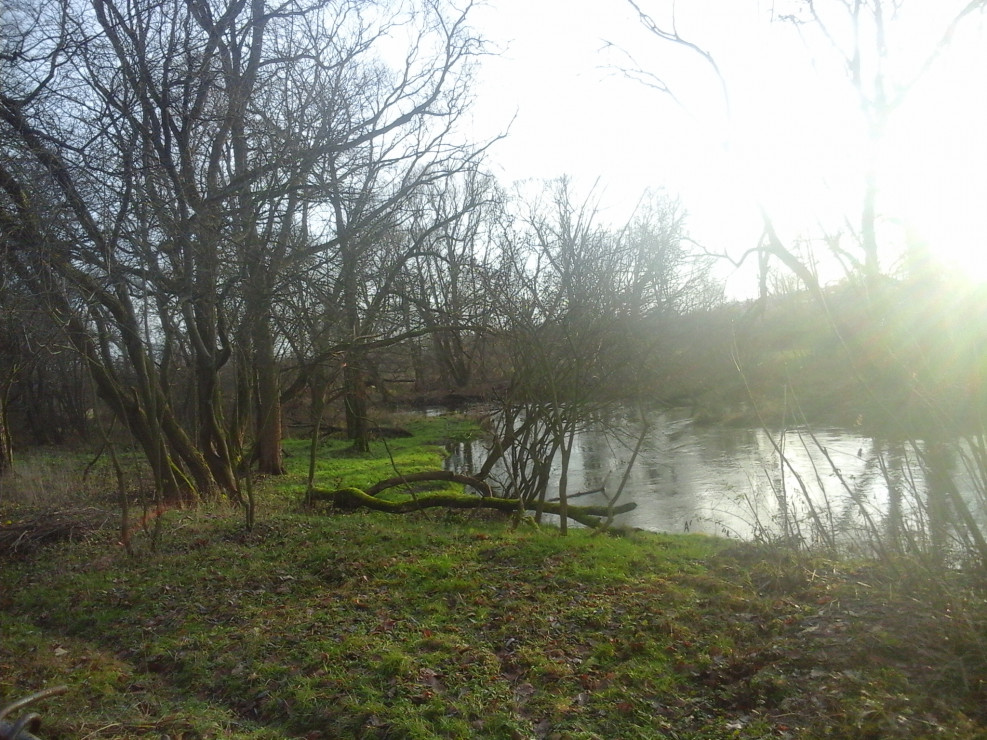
794 140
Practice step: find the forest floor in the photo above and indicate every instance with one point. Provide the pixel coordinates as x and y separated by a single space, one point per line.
329 624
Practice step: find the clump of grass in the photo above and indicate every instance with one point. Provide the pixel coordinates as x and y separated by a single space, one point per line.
53 478
44 478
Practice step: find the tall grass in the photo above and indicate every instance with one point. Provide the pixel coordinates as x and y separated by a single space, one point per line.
46 478
56 478
934 508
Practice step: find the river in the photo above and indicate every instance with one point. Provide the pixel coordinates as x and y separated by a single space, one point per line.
732 481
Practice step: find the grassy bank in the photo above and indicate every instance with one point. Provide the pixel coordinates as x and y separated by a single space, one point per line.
323 624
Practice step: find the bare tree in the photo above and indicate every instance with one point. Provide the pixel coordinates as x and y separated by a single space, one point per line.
163 167
666 275
448 281
575 295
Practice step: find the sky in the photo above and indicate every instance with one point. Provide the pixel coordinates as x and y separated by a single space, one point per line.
792 142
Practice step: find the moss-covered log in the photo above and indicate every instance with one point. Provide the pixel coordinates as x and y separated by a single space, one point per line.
354 498
441 475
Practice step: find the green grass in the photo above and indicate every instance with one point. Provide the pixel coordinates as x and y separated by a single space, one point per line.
365 625
338 466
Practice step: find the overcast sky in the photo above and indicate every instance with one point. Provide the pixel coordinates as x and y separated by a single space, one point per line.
791 142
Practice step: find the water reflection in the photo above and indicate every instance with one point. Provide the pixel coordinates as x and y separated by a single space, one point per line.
745 482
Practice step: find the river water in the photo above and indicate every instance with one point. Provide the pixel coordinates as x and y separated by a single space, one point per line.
746 483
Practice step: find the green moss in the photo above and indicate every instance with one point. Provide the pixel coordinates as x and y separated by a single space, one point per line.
337 466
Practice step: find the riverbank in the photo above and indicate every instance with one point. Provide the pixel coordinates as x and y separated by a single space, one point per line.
360 625
329 624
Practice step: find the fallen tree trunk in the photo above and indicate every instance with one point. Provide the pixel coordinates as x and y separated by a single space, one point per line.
443 475
354 498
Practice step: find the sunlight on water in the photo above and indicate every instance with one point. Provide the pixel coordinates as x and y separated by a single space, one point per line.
731 481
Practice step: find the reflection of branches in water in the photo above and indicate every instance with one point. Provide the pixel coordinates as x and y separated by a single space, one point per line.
972 457
853 519
854 505
523 448
907 497
835 489
525 442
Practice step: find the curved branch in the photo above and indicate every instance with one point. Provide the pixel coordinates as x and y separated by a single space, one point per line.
441 475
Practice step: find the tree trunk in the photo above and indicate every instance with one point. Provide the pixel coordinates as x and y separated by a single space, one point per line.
211 352
6 446
868 230
212 442
481 486
270 460
453 359
355 404
566 449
